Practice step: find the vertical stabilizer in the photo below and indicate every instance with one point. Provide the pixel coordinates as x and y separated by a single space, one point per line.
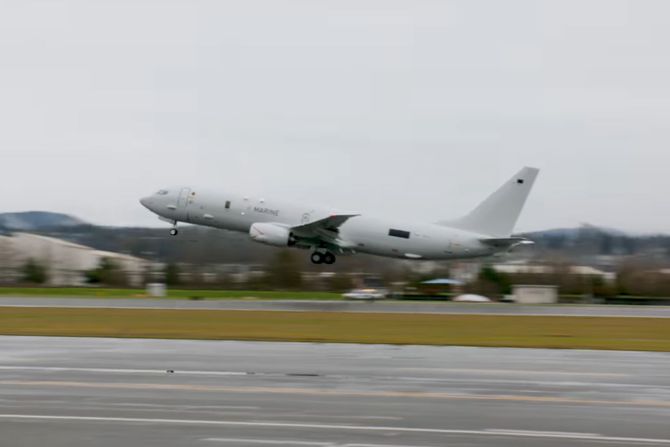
497 215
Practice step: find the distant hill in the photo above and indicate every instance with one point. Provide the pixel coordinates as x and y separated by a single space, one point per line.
37 220
588 240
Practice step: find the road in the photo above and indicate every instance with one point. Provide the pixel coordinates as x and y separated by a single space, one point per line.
109 392
344 306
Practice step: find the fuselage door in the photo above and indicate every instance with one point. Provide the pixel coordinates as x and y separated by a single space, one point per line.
183 203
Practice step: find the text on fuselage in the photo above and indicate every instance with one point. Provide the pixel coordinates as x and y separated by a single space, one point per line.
269 211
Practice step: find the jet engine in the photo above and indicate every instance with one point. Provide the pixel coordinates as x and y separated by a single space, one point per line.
272 234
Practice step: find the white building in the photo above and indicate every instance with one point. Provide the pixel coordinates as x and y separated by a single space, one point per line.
528 294
539 269
65 261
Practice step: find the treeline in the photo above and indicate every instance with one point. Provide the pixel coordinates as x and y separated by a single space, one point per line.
284 271
632 278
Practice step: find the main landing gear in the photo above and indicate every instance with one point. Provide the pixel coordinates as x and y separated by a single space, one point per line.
323 258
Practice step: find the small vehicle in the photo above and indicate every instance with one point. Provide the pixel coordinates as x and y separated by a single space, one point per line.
469 298
366 294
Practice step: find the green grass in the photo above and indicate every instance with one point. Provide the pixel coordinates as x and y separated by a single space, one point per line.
92 292
643 334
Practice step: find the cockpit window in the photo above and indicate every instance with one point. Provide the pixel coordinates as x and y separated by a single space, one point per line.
162 192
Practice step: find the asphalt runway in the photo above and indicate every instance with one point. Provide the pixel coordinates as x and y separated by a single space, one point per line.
108 392
345 306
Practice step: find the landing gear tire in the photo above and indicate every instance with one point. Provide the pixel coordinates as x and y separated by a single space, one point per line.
174 232
329 258
317 258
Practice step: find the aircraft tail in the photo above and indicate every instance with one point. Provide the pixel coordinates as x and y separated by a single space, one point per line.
497 215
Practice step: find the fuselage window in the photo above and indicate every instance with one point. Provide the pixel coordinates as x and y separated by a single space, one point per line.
228 204
399 233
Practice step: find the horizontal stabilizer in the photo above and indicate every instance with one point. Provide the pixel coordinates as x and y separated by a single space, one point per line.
507 242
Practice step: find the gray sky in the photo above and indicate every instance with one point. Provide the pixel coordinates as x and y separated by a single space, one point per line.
388 107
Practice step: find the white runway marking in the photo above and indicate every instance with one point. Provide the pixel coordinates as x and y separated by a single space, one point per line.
338 392
535 433
261 374
298 443
261 424
120 371
466 381
268 442
522 372
377 445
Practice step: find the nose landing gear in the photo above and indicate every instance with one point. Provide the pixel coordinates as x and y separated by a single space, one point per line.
323 258
174 231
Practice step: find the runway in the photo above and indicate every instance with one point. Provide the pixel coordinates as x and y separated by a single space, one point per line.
110 392
345 306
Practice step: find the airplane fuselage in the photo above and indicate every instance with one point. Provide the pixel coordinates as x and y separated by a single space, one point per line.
363 234
484 232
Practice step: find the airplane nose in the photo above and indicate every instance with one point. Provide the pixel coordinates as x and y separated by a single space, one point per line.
146 202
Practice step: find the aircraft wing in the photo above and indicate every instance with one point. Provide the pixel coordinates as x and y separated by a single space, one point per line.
329 224
323 231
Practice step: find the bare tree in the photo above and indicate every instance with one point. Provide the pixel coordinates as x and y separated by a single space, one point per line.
7 261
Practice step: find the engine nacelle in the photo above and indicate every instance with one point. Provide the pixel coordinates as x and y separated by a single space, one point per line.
271 234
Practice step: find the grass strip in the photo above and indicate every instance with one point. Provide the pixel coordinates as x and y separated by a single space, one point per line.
93 292
641 334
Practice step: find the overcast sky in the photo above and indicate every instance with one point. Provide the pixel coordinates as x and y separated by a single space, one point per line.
415 108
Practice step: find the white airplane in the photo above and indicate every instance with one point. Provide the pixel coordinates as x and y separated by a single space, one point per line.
484 232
